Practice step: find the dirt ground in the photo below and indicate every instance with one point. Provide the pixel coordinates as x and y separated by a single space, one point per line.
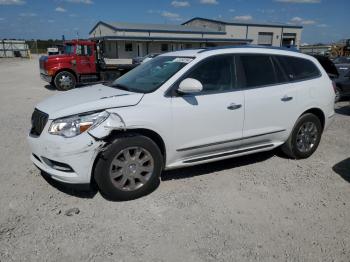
261 207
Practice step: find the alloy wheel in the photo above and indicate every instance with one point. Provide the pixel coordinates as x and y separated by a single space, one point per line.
307 137
131 168
66 82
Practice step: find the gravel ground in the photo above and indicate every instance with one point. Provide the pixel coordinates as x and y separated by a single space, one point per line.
261 207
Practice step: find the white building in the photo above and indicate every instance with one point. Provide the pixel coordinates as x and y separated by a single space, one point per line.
128 40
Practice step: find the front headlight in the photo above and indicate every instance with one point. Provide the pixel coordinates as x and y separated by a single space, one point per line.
77 124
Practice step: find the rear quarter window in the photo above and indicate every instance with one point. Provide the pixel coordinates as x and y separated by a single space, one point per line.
298 68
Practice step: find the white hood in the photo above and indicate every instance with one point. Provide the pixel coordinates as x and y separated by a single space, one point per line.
85 99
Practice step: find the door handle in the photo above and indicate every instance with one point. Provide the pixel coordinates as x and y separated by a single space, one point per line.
234 106
286 98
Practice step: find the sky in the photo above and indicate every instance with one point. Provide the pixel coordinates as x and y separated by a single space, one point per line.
324 21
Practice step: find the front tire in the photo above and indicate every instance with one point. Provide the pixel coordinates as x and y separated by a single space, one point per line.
305 137
130 168
65 81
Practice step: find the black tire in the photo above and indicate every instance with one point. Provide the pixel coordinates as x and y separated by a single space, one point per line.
104 164
291 148
63 85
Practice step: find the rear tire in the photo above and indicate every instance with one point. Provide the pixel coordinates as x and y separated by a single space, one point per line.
65 81
129 168
305 137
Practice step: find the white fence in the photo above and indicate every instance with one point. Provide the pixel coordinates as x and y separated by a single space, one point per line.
14 48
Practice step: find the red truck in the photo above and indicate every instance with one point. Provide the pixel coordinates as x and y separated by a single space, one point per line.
81 62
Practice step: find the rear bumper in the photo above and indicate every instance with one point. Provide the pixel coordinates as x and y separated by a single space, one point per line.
46 78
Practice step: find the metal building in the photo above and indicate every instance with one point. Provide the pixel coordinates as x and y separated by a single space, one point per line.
128 40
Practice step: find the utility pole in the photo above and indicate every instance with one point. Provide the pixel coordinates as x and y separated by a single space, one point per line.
36 46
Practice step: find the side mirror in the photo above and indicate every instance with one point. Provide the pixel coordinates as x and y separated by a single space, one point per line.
189 86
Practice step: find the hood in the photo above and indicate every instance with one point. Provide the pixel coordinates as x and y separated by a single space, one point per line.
60 56
85 99
55 59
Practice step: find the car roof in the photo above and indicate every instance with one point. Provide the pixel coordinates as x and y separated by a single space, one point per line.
185 52
204 52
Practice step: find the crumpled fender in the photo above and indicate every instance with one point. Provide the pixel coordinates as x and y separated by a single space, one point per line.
113 122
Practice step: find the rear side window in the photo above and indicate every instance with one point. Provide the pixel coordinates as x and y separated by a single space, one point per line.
298 68
258 70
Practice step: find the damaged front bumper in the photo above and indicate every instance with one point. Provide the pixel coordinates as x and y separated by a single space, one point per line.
71 160
68 160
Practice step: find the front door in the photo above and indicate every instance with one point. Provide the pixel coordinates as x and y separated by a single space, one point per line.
85 59
212 120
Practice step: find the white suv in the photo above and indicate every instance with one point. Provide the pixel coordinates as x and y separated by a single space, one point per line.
180 109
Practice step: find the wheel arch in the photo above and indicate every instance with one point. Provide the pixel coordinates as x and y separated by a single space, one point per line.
67 70
317 112
154 136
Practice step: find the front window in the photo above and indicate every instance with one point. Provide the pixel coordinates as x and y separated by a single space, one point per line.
216 74
150 76
69 49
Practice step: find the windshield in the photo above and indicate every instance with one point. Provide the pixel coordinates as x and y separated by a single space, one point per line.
342 60
69 49
150 76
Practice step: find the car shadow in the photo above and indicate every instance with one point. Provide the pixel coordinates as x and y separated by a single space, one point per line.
344 110
50 88
217 166
343 169
81 191
89 191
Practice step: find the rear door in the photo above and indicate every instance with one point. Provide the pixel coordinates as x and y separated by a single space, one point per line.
270 100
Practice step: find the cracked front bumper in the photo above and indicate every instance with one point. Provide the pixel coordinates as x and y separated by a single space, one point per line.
78 153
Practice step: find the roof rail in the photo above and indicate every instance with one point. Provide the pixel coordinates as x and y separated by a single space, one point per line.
292 48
